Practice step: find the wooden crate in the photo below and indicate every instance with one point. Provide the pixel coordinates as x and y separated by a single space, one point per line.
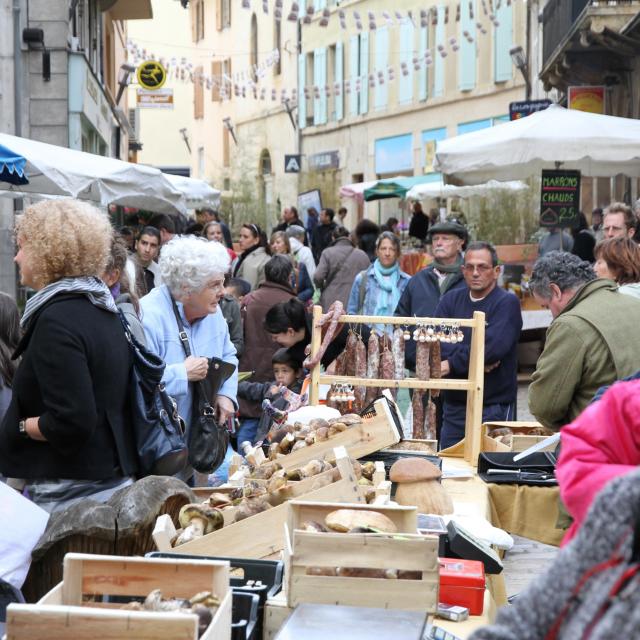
408 551
262 535
66 614
372 434
519 442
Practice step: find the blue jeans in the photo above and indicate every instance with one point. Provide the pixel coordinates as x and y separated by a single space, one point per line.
248 431
454 415
221 474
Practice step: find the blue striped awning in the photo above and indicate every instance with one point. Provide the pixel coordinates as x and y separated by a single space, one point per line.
12 167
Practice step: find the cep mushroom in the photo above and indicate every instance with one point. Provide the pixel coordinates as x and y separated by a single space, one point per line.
198 520
419 485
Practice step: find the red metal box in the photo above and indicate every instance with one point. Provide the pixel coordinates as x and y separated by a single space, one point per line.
462 583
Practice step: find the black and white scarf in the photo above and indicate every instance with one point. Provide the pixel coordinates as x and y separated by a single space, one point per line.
89 286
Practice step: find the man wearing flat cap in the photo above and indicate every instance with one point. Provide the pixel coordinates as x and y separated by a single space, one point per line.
422 293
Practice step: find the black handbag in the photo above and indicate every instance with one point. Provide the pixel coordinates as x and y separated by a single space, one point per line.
538 469
157 426
208 440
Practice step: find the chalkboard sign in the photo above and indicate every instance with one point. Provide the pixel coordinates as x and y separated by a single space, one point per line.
560 198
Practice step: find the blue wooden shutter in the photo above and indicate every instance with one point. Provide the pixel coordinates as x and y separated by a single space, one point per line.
302 103
405 92
382 62
363 105
354 66
319 5
338 74
467 54
423 86
438 82
502 43
322 69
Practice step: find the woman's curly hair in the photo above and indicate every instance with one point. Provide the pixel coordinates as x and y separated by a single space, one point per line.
64 238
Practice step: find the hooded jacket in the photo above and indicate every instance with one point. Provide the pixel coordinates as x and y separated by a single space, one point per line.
575 595
593 342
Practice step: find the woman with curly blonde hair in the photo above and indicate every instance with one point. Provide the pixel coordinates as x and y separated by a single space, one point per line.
67 430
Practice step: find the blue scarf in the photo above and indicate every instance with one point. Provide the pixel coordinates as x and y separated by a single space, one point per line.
388 289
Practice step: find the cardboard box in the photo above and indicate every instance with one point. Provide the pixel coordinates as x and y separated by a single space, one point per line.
462 583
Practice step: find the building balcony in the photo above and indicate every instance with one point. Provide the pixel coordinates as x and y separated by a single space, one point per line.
588 41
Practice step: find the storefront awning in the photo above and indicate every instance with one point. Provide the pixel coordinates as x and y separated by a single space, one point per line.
55 171
128 9
394 187
12 167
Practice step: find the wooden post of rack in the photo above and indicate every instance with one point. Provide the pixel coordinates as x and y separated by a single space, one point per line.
473 422
316 341
473 385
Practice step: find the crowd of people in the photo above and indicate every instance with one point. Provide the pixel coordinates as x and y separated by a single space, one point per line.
63 364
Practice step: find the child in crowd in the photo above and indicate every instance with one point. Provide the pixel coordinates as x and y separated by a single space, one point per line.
287 372
238 288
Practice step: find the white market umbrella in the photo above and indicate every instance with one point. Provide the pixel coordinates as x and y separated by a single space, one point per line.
441 190
356 189
594 144
197 193
55 171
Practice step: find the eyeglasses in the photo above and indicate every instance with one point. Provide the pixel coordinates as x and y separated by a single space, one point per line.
481 268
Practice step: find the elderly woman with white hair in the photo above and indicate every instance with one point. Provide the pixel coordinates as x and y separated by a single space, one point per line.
193 275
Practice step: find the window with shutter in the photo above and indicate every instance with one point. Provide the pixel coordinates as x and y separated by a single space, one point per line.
354 66
405 91
198 93
338 78
502 43
216 81
467 53
382 62
302 103
320 81
423 82
438 81
363 102
219 18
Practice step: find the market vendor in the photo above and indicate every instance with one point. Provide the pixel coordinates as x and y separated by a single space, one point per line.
503 324
592 342
422 293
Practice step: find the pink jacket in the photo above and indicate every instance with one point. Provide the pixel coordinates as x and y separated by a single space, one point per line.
602 443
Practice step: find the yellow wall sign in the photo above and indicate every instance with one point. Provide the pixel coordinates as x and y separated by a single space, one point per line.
151 75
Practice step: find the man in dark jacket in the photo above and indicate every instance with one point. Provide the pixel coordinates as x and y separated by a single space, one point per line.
290 217
419 225
322 234
503 324
423 292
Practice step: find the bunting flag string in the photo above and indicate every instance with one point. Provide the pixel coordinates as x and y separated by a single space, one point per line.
248 83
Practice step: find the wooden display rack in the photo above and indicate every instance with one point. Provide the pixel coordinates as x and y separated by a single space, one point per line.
261 535
473 385
405 551
75 610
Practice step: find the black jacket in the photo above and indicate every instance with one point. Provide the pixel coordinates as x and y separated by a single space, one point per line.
74 375
419 226
322 238
420 298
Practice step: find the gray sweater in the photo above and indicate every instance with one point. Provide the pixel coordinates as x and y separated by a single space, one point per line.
607 531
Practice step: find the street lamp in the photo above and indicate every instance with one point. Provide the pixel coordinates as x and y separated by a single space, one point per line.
185 137
289 108
229 125
519 59
124 73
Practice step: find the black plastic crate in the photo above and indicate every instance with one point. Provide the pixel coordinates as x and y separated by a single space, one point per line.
244 620
268 572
